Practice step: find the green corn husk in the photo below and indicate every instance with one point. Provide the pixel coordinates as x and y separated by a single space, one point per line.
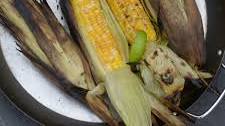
183 24
138 47
127 95
150 84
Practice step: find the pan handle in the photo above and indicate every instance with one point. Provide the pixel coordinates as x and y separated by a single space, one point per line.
218 84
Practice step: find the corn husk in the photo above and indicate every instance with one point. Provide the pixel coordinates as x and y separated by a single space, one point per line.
17 26
182 66
152 7
46 38
156 94
69 47
163 113
164 71
116 30
42 40
183 24
13 20
151 85
127 97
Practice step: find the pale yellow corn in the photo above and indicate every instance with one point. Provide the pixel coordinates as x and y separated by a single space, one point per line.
92 20
132 17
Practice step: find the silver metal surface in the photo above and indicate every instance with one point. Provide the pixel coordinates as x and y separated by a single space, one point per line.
202 7
213 106
41 87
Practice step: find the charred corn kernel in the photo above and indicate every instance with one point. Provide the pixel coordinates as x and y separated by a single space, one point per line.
132 17
92 20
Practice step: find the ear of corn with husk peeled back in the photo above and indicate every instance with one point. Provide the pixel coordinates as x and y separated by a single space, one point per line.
164 90
129 15
162 71
98 39
44 41
159 58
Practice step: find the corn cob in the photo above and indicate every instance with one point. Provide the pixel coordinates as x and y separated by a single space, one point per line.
102 45
132 17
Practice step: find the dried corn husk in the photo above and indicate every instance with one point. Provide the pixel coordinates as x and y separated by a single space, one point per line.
45 42
183 24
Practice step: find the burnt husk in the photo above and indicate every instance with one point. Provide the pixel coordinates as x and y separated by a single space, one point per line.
164 113
56 50
63 36
73 28
24 36
33 15
182 22
76 92
73 91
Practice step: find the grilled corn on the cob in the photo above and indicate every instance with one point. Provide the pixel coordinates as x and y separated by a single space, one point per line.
91 18
102 45
132 17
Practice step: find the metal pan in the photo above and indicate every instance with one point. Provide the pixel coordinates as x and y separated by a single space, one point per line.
41 99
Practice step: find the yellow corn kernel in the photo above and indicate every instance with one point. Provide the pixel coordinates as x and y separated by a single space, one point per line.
92 20
132 17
